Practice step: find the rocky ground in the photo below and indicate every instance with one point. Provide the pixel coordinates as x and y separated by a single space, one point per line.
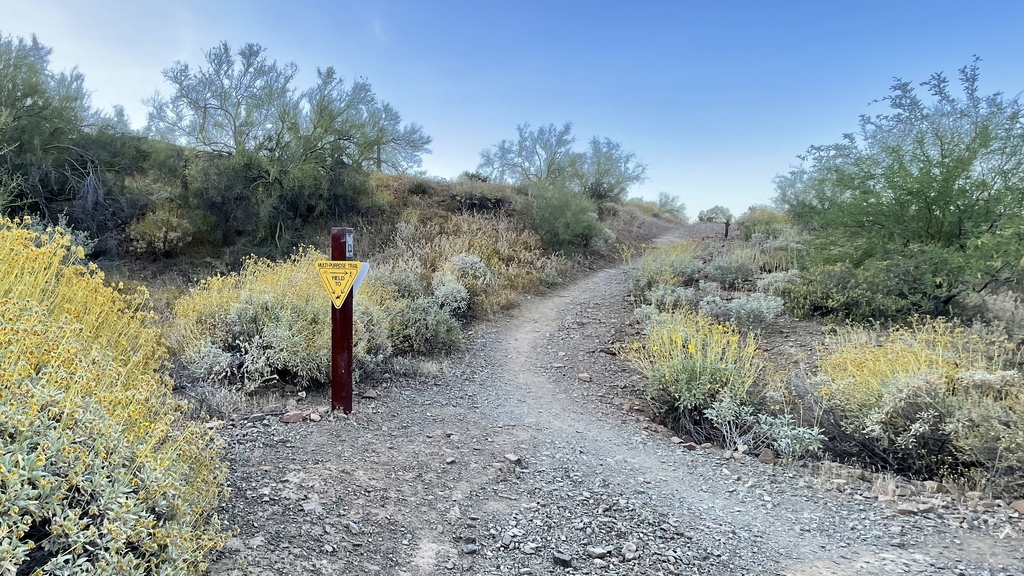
533 455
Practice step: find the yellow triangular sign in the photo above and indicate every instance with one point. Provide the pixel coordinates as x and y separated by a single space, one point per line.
338 277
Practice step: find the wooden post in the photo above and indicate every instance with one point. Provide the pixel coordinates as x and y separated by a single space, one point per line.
342 248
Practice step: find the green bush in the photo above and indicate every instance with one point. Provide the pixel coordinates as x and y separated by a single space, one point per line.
842 291
164 230
912 193
769 223
566 221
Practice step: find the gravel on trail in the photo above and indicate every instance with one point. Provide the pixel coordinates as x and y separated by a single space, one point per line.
534 454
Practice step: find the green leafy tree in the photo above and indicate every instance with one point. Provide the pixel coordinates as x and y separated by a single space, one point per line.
606 171
935 183
719 214
56 155
670 204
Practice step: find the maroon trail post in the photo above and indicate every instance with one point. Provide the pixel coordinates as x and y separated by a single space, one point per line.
342 248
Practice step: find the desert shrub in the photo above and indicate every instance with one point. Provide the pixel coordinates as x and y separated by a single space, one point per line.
1006 309
770 224
713 305
788 438
843 291
741 424
691 362
269 323
451 295
674 265
471 271
774 282
266 323
100 472
566 221
163 230
425 187
667 298
732 269
671 206
480 196
746 312
49 232
933 400
755 311
913 191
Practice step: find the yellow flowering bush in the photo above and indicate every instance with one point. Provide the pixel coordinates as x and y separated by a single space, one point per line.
934 400
99 474
692 362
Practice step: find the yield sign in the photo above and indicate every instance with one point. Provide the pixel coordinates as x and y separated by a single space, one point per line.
338 277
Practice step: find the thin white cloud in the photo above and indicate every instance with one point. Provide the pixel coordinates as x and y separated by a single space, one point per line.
378 31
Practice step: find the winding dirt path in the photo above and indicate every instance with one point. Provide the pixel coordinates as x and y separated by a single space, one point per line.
511 463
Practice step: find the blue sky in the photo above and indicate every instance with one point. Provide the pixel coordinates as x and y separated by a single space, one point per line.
716 97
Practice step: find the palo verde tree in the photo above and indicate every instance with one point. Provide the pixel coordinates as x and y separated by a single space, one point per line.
719 214
934 187
269 156
671 204
604 171
540 156
242 102
386 145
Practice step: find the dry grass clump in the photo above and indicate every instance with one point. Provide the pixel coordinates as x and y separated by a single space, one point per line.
98 470
494 257
675 265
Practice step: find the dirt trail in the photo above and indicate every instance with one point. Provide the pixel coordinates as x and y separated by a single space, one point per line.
513 464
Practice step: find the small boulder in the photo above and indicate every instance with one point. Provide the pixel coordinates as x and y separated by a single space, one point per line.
293 416
561 559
